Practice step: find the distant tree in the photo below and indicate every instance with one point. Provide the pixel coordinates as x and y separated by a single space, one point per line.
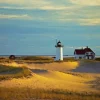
12 57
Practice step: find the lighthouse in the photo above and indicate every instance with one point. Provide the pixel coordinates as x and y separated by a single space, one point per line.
59 51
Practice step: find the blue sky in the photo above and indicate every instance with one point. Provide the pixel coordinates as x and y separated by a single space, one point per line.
30 27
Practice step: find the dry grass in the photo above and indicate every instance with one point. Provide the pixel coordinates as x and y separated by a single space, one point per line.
49 81
28 59
41 94
9 72
37 59
69 59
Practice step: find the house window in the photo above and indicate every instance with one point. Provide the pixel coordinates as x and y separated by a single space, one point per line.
91 53
80 57
86 53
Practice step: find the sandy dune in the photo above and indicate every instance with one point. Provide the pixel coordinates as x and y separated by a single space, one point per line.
73 76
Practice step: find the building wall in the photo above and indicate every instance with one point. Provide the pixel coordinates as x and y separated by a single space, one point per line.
79 56
59 53
88 55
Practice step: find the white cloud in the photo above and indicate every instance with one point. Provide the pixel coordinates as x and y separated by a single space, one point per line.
59 10
36 4
74 47
19 8
42 3
94 21
22 17
53 8
86 2
26 3
3 16
68 47
41 8
97 46
81 21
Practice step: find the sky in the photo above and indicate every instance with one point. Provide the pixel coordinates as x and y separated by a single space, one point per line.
31 27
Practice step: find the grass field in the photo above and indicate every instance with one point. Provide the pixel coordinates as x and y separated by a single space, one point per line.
9 72
41 94
25 79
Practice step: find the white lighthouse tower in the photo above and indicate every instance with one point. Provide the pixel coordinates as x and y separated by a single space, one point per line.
59 51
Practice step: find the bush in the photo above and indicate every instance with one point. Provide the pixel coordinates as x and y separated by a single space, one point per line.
8 72
98 59
36 58
12 57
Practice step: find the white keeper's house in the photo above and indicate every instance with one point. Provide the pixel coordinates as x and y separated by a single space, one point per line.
85 53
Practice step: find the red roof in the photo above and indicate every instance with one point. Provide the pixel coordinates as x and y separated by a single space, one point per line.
88 50
79 51
82 51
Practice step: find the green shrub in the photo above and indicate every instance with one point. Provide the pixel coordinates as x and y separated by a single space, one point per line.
98 59
36 58
7 72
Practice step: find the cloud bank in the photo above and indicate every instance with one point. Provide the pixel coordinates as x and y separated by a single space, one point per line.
74 11
3 16
86 2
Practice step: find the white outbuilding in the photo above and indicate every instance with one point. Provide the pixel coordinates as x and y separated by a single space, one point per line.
59 51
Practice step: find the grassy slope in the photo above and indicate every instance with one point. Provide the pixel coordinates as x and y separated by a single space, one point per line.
9 72
49 81
41 94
